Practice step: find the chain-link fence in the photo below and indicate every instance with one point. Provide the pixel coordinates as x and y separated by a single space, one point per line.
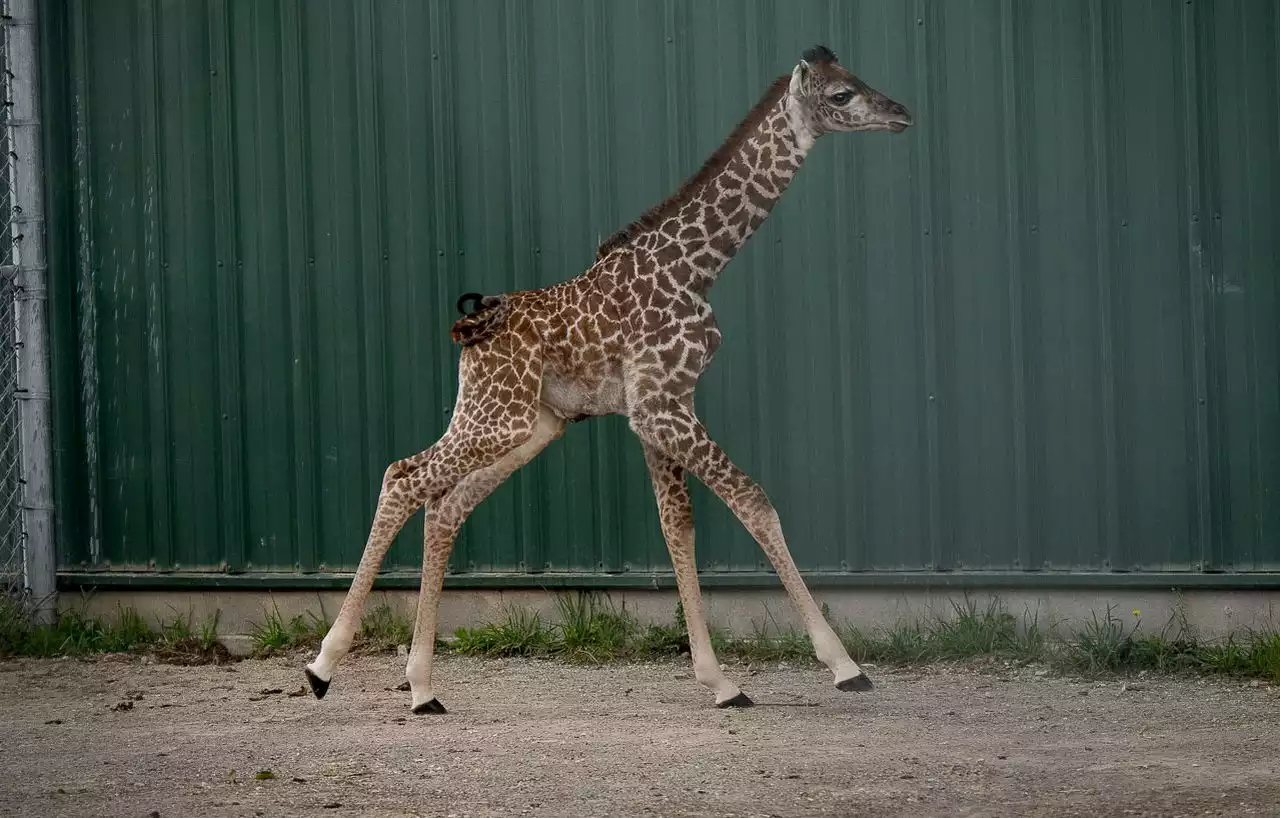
12 534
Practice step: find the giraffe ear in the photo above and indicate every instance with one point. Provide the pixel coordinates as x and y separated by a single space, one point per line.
800 78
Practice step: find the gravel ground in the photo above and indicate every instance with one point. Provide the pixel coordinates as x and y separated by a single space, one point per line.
119 736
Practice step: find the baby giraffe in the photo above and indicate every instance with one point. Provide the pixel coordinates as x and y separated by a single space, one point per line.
631 335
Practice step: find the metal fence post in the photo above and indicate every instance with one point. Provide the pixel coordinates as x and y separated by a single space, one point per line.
30 306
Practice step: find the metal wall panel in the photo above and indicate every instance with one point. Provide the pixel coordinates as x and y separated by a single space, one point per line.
1036 332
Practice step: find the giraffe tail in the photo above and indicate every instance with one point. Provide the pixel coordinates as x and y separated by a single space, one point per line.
483 321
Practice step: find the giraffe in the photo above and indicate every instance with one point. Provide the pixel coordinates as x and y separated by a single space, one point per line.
630 335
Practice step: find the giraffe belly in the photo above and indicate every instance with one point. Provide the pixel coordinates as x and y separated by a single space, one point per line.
573 399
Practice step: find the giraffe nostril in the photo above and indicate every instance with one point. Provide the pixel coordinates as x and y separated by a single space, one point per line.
899 113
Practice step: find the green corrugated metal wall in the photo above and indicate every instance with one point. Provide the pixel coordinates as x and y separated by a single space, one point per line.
1037 332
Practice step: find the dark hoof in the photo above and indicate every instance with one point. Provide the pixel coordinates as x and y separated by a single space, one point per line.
740 700
318 686
433 707
860 683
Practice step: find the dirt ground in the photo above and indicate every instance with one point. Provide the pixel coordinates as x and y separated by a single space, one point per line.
119 736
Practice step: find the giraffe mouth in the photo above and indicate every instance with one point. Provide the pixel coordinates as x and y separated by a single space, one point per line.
897 126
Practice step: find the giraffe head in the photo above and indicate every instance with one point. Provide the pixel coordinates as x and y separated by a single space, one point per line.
828 97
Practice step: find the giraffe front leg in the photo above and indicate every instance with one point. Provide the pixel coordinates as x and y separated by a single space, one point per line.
444 518
675 510
675 430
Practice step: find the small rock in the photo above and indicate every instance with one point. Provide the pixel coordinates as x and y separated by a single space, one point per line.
125 705
792 775
333 805
1002 758
293 694
402 650
135 695
1040 673
155 813
297 779
1255 683
906 776
270 691
54 721
1084 692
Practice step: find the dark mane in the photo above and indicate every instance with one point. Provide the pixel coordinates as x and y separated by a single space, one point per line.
819 53
654 216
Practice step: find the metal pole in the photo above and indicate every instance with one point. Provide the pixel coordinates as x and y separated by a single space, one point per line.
35 413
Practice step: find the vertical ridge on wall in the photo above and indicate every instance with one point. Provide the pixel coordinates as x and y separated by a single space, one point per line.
157 366
1035 332
1103 216
934 180
1201 346
228 268
298 201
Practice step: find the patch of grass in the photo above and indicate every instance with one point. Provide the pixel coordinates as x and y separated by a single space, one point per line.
1255 654
970 632
383 629
178 643
592 631
907 644
1103 645
274 633
662 640
1106 645
520 633
208 638
75 633
770 642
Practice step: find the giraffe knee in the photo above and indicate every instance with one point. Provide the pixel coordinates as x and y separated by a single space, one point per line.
397 471
662 434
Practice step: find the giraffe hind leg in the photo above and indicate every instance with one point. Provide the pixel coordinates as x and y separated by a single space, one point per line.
445 517
496 412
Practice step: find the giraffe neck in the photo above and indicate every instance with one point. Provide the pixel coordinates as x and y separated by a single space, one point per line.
697 231
719 217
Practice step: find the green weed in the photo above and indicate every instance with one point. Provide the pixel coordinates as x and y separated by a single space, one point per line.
1103 645
592 631
520 633
274 633
384 629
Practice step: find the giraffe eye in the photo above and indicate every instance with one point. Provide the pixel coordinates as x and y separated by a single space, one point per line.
842 98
